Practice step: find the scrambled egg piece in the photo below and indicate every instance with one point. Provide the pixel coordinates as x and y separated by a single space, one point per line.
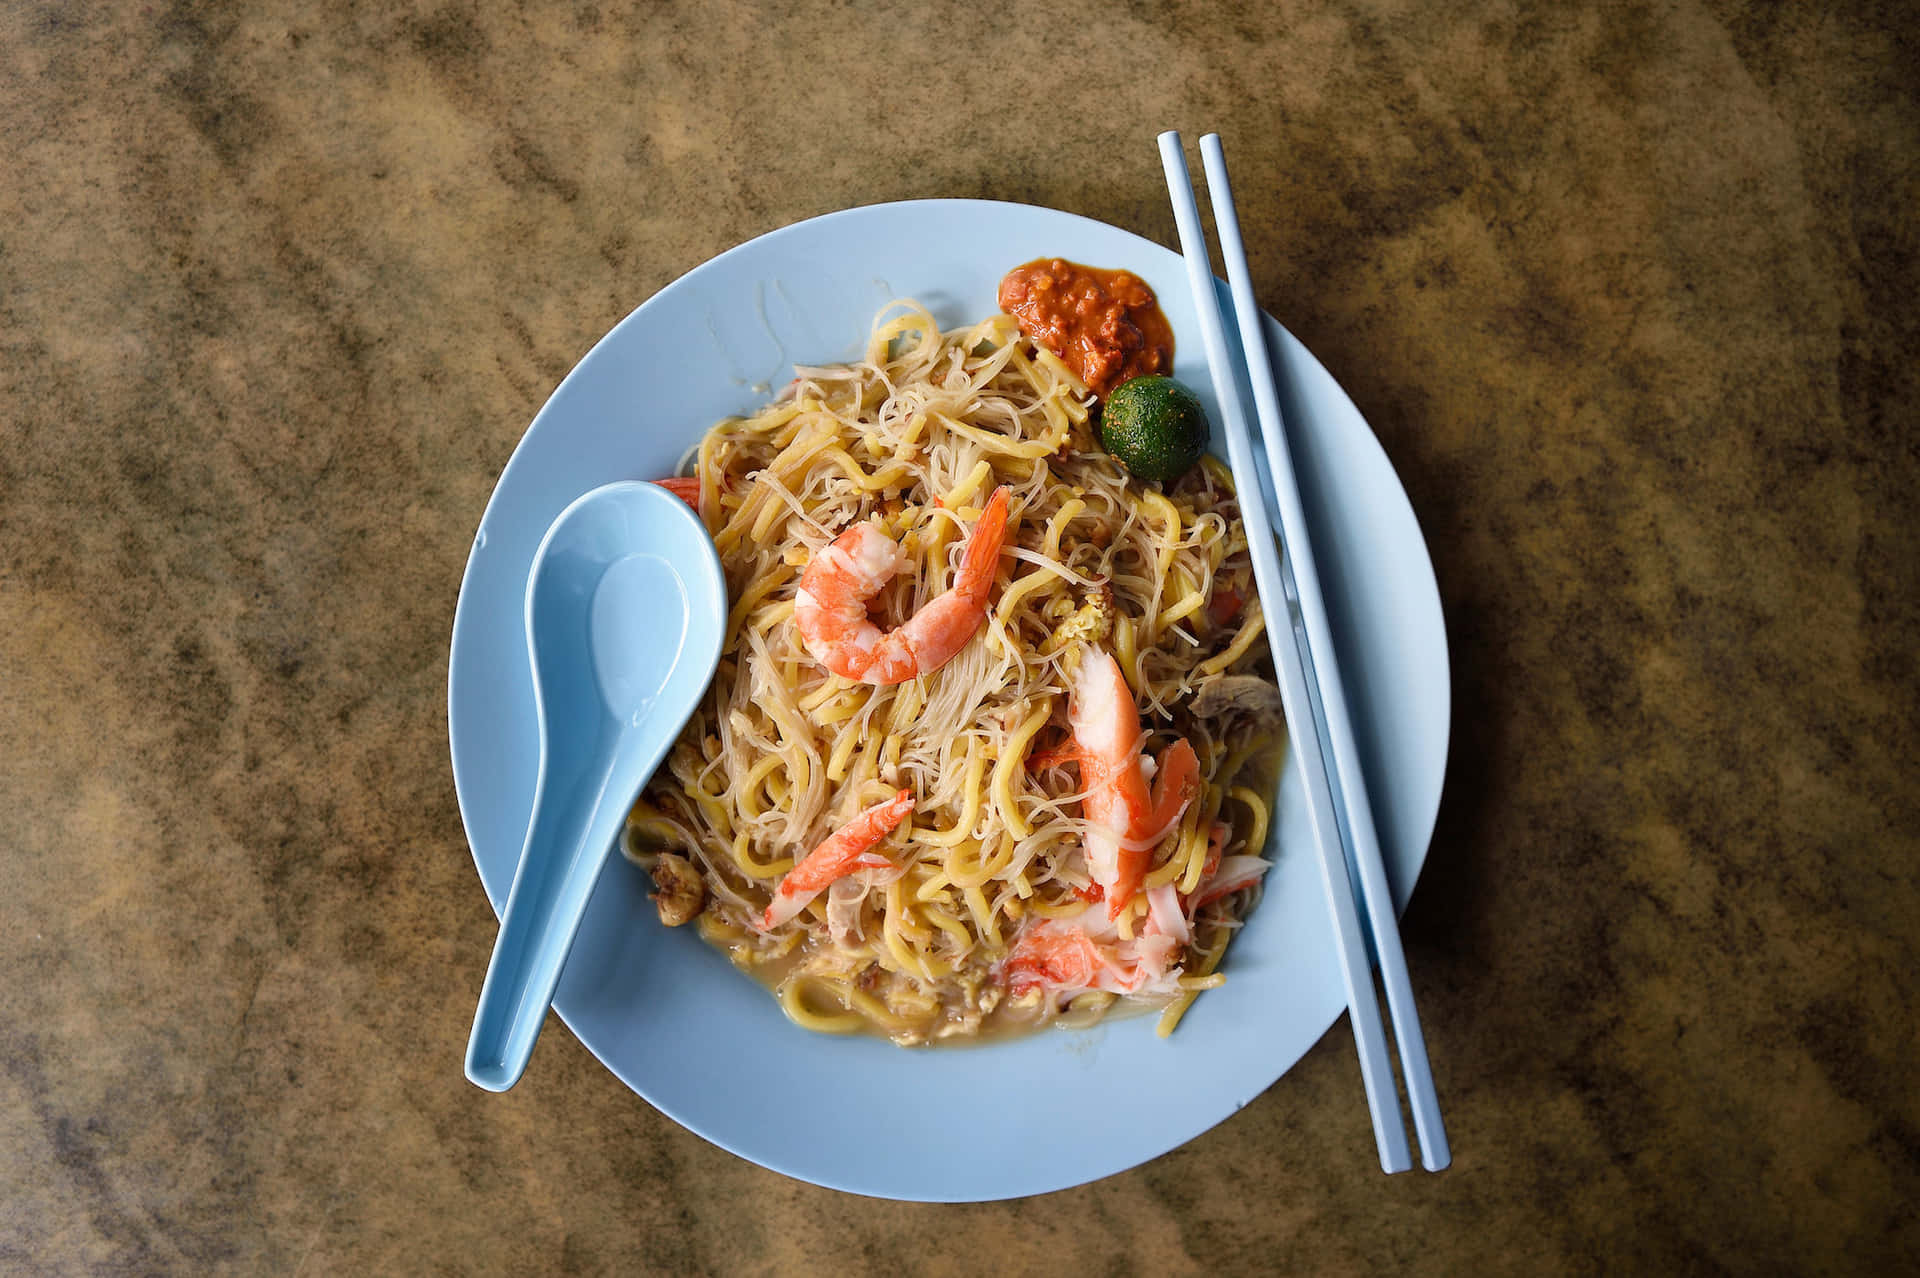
1092 623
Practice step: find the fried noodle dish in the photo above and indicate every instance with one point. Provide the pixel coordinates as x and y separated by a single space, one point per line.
994 732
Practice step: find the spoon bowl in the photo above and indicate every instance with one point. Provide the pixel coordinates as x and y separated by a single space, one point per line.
625 611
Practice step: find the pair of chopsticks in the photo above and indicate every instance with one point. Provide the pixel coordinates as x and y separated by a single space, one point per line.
1310 688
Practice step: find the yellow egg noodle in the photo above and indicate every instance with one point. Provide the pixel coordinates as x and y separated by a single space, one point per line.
781 752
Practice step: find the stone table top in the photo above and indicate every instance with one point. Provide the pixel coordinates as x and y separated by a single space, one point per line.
1627 292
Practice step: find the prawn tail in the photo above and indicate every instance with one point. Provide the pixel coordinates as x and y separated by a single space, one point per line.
983 547
1058 756
1176 785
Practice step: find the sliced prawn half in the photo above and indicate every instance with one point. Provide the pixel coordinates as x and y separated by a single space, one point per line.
846 851
1125 821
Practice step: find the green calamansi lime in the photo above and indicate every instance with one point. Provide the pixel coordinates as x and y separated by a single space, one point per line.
1155 426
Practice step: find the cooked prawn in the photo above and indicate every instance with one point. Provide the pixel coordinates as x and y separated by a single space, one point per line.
830 609
1065 958
1083 951
844 852
1125 822
685 487
1080 952
1234 874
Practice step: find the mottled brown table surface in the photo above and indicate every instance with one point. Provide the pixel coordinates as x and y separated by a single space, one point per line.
1628 293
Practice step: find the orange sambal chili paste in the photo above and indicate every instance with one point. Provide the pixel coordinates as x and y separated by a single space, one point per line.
1105 325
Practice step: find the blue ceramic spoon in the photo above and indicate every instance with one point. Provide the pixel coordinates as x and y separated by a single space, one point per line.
625 609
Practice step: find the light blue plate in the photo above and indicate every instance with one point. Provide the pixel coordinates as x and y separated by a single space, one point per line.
705 1044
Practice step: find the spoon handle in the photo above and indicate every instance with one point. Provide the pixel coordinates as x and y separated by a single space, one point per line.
568 842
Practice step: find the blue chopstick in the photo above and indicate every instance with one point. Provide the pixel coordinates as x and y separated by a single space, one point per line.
1344 773
1277 596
